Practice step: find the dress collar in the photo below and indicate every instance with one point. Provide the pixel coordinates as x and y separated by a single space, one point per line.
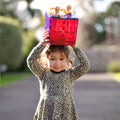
57 72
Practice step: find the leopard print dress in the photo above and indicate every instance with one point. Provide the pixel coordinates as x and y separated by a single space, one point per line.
56 89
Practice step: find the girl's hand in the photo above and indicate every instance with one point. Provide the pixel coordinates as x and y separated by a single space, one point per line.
45 40
73 46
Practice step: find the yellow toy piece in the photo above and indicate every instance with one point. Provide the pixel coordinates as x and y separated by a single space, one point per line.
59 12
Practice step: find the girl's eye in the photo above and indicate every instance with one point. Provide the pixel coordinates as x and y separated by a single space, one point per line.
52 59
61 58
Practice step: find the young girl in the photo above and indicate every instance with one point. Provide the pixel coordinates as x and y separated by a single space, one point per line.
56 80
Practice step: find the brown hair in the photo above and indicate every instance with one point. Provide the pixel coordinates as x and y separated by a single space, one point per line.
63 49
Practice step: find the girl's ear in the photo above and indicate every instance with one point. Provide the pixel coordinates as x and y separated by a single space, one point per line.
69 64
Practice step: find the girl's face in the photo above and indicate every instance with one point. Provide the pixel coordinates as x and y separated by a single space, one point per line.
57 61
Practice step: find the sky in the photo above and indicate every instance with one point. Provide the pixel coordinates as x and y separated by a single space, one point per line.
101 5
51 3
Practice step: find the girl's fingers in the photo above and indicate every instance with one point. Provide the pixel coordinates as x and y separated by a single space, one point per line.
46 31
73 46
45 40
45 35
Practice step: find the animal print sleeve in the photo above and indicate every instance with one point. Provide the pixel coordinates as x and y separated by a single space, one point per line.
32 60
82 68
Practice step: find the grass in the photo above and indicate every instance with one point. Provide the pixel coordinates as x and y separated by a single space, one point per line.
8 78
117 76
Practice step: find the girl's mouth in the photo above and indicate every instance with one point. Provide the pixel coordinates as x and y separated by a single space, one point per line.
57 67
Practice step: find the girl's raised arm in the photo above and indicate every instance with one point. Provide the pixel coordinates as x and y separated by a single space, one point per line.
32 60
83 66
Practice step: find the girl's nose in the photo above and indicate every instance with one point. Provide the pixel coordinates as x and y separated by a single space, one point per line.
57 62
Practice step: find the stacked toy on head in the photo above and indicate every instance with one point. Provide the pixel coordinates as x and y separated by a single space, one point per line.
62 27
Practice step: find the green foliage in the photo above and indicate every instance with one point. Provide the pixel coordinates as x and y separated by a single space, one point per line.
8 7
42 20
114 9
4 12
113 12
100 33
114 66
10 43
29 41
9 78
9 20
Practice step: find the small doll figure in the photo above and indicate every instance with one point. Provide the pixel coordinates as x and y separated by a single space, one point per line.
68 13
56 12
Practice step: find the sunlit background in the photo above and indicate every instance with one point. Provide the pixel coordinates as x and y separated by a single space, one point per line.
95 5
98 28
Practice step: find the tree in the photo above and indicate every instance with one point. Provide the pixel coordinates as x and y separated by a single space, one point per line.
100 35
113 10
112 20
9 7
10 43
86 29
8 10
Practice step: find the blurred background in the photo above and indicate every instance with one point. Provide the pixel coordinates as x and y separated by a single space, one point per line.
22 25
21 28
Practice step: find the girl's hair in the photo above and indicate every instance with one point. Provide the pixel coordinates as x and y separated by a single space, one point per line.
63 49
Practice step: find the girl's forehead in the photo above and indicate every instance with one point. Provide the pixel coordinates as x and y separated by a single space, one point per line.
57 53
